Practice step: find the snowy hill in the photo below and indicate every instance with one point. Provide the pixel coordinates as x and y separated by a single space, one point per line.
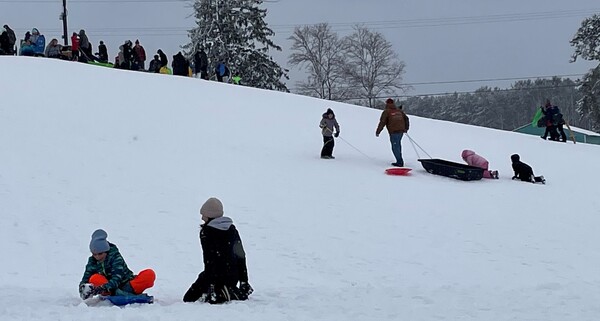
85 147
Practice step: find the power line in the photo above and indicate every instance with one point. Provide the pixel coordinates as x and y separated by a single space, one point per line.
463 81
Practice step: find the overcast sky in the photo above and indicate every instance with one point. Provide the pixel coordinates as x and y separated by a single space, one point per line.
439 40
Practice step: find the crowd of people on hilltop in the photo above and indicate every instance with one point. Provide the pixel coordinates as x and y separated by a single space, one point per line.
129 57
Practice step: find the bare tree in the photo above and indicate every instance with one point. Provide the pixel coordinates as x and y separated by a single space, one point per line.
372 66
318 50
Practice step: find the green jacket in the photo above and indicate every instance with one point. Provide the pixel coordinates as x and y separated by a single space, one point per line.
113 268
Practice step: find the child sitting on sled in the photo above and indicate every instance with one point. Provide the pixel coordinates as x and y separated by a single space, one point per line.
475 160
106 272
524 172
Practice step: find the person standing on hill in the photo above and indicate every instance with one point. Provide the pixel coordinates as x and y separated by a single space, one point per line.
224 259
180 65
327 124
75 47
397 123
12 39
85 46
140 55
107 273
102 52
201 64
163 58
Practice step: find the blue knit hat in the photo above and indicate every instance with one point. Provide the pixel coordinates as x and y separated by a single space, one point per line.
99 244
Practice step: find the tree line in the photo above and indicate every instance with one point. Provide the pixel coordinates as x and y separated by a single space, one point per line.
362 67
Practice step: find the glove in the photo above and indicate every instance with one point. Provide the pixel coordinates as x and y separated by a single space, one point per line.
85 290
246 288
336 134
98 290
211 295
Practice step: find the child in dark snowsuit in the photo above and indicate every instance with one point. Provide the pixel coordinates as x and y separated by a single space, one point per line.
327 124
524 172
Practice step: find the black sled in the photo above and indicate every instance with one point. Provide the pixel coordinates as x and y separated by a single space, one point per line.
451 169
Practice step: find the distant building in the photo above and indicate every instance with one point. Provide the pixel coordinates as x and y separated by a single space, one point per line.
581 135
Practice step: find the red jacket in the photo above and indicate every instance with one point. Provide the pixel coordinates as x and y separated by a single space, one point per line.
74 43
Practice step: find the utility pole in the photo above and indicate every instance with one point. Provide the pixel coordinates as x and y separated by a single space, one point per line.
63 17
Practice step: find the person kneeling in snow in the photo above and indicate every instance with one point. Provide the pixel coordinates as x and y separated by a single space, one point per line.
475 160
107 273
224 259
524 172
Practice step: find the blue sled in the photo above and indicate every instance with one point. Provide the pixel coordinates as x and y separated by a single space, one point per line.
120 300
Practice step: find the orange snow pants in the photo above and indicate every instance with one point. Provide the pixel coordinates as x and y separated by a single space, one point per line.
141 282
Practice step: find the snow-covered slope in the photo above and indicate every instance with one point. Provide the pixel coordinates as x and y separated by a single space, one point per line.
84 147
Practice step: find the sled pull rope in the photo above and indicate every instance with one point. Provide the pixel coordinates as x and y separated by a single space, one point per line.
345 141
413 143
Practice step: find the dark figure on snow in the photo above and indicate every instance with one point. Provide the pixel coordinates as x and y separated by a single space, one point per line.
102 52
75 47
107 273
5 48
221 71
140 55
224 259
201 64
154 65
127 63
163 59
396 122
548 112
85 47
54 49
524 172
557 120
12 39
327 124
180 65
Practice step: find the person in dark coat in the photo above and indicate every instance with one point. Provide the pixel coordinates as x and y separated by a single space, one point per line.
163 58
85 47
154 64
548 112
102 52
327 125
5 48
12 39
180 65
224 259
524 172
201 64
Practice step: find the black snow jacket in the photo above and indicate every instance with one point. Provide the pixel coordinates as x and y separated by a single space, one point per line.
163 58
523 171
180 65
201 61
224 256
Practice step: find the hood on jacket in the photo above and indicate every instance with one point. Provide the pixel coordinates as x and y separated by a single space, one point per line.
329 111
222 223
466 153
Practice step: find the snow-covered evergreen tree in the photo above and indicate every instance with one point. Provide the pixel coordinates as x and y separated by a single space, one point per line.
587 46
234 32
